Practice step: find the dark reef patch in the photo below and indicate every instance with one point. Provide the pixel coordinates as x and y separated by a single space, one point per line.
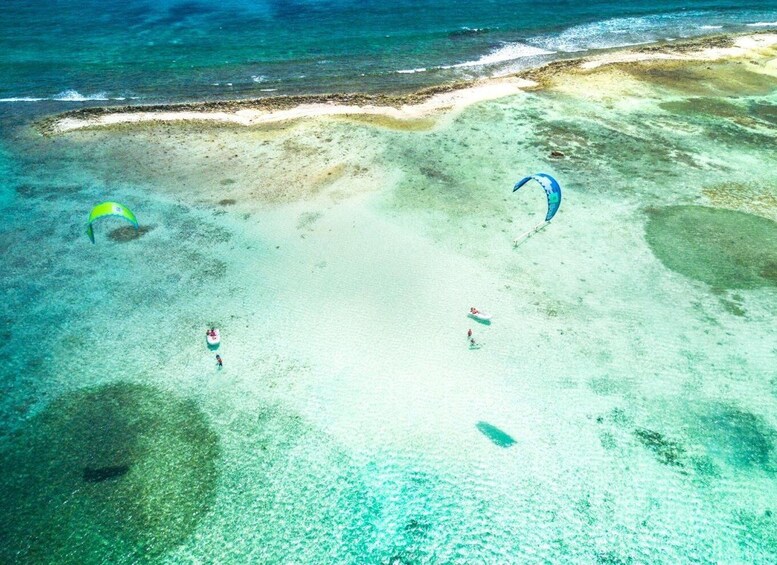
46 191
116 474
763 111
667 451
599 148
703 79
694 106
723 248
738 438
612 558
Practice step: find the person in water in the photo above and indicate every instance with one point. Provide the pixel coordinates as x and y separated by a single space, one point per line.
218 360
473 310
211 332
469 333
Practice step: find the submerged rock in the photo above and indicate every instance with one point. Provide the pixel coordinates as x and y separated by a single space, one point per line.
667 451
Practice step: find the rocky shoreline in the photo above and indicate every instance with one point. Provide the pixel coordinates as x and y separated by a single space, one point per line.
538 77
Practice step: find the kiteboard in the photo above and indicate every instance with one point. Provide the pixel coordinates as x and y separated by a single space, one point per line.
480 316
214 339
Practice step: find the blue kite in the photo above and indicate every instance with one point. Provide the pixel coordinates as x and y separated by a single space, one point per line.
552 190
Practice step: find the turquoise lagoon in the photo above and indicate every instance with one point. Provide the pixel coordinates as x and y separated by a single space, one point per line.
621 407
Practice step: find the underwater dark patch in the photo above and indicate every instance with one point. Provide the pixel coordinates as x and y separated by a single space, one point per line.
497 436
738 133
717 107
416 526
46 191
723 248
617 417
101 474
721 78
667 451
607 440
705 467
227 202
612 558
597 148
213 269
203 233
128 233
757 530
769 272
436 175
738 438
120 473
763 111
733 307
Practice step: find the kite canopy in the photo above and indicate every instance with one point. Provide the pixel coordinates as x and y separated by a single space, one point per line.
109 209
552 190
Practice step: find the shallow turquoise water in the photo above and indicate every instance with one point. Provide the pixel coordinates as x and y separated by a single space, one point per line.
339 260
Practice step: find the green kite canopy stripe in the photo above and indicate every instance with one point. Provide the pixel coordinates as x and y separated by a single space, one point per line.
109 209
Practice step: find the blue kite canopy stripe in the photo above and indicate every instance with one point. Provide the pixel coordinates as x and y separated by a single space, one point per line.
552 190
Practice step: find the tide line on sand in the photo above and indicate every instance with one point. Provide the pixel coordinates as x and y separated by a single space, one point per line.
419 105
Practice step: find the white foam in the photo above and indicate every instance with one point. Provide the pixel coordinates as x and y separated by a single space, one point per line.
762 24
412 71
509 52
258 78
67 96
625 32
22 99
74 96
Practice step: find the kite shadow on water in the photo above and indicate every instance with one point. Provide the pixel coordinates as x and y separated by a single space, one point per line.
497 436
98 475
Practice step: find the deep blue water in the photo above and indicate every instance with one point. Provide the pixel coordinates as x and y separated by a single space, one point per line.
181 49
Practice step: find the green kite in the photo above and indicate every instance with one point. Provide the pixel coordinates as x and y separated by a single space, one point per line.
109 209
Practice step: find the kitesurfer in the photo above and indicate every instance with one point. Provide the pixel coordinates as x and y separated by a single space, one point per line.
218 360
469 333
